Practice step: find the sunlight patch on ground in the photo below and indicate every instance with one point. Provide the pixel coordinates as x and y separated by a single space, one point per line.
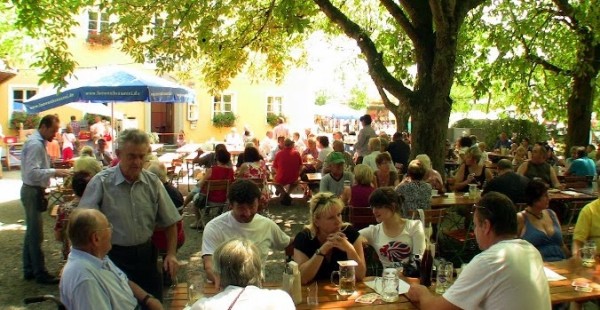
10 190
6 227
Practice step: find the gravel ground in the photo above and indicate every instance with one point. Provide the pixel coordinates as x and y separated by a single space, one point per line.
15 288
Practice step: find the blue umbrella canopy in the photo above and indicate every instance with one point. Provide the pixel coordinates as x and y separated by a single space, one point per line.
338 110
112 85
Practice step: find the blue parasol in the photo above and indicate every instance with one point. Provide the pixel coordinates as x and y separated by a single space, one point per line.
113 85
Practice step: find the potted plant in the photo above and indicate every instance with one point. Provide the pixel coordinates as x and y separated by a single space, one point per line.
29 121
272 119
99 38
225 119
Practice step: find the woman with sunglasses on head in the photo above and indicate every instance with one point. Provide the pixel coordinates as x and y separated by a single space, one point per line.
326 240
394 238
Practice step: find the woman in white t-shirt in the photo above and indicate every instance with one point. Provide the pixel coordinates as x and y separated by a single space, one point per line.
68 138
394 238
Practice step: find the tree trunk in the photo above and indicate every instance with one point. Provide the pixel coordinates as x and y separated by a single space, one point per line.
402 115
579 109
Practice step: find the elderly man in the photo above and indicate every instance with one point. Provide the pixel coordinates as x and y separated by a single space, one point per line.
508 274
241 222
239 274
508 182
333 181
102 155
36 174
135 202
90 280
502 142
361 146
538 168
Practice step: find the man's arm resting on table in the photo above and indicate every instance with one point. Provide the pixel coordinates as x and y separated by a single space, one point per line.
144 298
426 300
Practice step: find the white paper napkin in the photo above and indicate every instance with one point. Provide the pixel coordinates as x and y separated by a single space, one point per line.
402 286
552 276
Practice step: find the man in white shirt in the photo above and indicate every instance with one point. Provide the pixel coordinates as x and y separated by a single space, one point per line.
508 274
281 130
242 222
267 144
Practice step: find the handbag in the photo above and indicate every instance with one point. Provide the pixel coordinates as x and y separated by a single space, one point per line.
412 268
107 137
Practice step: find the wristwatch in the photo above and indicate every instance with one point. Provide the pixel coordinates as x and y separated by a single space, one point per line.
318 252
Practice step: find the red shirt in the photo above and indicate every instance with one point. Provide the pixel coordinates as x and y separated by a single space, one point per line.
287 165
219 173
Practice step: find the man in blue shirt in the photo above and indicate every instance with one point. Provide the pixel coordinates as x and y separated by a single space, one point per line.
35 174
90 279
582 165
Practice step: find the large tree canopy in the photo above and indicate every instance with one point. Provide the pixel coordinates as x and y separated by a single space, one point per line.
539 55
226 36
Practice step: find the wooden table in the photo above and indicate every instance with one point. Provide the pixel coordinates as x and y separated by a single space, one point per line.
167 158
156 146
329 298
189 148
179 299
562 291
314 177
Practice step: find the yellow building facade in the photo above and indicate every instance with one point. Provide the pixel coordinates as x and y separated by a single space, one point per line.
250 102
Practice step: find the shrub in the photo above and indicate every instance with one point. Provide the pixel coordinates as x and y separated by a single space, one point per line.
226 119
29 120
524 128
272 119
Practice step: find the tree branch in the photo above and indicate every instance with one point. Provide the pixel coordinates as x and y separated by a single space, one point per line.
547 65
269 14
379 73
439 19
400 18
567 10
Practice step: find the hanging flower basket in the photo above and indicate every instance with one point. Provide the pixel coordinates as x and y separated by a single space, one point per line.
226 119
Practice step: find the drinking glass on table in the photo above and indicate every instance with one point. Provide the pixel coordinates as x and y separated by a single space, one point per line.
312 294
347 277
445 272
195 288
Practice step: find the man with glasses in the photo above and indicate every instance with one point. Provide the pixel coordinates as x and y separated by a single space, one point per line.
538 168
90 279
508 274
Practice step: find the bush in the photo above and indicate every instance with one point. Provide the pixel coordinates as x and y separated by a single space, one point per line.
29 120
90 118
524 128
272 119
226 119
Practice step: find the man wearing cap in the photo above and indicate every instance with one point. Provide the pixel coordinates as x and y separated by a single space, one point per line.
333 182
508 182
288 166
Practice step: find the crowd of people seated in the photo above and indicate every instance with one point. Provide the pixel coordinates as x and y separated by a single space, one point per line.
237 242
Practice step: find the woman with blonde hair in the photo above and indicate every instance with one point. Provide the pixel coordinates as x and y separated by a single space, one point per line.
358 195
471 171
520 156
326 240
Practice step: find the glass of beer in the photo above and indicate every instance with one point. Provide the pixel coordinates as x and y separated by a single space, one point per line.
347 277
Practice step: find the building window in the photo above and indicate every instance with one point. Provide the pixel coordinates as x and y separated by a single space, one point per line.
275 105
97 22
222 103
19 96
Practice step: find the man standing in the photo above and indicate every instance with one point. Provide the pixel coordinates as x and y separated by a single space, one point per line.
75 126
36 174
508 274
288 166
399 151
135 202
90 280
361 146
281 130
102 155
267 144
98 129
508 182
242 222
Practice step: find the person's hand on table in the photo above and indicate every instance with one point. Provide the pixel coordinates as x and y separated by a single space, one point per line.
416 291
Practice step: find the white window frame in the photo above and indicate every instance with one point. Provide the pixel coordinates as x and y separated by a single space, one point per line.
221 110
279 110
101 25
23 88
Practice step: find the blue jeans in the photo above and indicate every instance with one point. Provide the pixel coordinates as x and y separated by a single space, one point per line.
33 257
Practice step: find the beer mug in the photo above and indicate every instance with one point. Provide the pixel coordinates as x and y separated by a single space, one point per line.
473 191
444 276
347 277
387 285
588 253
